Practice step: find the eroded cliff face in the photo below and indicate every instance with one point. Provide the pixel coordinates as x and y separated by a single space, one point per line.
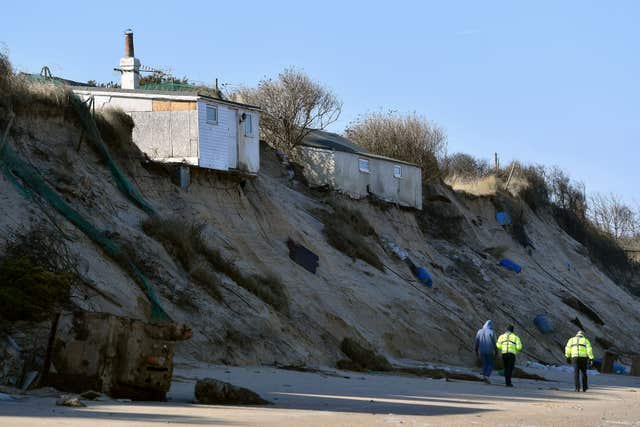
456 238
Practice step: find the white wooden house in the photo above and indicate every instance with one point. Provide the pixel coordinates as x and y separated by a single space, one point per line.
187 126
332 160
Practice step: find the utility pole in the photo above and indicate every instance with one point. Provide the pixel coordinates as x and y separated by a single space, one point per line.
496 162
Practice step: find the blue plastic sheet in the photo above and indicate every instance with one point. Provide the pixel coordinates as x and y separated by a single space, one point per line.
510 265
619 369
424 277
421 273
503 218
543 323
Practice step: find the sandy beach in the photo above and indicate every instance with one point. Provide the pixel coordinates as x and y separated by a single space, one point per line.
337 398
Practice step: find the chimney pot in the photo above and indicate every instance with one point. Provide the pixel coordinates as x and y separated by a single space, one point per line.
128 44
129 64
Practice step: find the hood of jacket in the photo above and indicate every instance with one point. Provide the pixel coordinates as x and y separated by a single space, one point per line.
486 339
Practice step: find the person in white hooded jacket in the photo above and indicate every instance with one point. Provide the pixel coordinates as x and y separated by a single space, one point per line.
485 347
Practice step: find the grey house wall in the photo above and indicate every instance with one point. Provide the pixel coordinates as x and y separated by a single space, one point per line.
168 135
319 166
340 170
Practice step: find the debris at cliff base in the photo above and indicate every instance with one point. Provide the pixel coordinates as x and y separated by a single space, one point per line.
71 401
214 392
361 358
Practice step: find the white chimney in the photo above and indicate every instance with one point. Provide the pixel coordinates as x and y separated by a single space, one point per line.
129 64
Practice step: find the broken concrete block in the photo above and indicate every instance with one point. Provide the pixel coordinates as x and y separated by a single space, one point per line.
71 401
214 392
122 357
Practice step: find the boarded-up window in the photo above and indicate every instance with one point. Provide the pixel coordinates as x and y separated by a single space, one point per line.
159 105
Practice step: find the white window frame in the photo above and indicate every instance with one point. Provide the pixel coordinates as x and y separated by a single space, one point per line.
215 108
363 165
248 120
397 171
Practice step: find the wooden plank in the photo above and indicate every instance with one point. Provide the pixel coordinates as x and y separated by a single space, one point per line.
183 105
160 105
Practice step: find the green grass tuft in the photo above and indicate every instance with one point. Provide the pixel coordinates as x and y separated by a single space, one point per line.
268 288
36 275
29 291
208 280
180 240
349 231
185 243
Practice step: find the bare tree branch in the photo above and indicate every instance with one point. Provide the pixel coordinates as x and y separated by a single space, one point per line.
612 216
292 106
405 137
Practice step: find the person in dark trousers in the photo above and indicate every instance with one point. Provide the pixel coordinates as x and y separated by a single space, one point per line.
580 353
509 345
485 347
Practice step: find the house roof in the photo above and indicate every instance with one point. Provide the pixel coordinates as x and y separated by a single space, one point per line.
154 93
332 141
184 87
39 78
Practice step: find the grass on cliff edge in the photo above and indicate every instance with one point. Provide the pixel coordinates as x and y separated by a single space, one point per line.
185 243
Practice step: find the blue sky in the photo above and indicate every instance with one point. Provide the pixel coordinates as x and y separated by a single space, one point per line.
547 82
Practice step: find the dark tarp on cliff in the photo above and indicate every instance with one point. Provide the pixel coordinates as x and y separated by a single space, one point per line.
303 256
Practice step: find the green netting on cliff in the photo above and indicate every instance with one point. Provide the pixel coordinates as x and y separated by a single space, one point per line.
29 183
13 166
93 136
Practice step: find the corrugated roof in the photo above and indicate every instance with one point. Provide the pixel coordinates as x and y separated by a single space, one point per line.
334 142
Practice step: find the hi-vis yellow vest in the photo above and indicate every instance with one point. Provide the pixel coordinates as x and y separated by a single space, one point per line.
578 346
509 343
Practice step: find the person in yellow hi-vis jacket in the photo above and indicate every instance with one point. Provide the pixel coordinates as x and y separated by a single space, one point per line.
509 345
579 352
